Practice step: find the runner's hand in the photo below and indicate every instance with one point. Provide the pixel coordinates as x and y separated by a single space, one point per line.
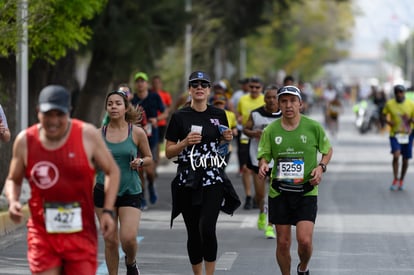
107 226
15 211
316 175
263 170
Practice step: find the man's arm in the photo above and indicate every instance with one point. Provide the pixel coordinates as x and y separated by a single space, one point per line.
100 155
13 184
263 168
326 158
163 111
319 170
163 115
248 128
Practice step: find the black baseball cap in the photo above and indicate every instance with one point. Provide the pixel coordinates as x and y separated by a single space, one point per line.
244 80
399 88
199 76
54 97
255 79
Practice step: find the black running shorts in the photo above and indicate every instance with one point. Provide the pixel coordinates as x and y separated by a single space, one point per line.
121 201
290 208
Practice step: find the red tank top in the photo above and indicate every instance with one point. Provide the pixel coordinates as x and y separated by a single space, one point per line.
62 175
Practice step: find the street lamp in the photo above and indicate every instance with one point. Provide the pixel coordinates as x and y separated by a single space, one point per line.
22 67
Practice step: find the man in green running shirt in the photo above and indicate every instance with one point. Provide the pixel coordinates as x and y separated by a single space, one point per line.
293 142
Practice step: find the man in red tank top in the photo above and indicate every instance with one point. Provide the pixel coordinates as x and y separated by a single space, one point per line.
57 157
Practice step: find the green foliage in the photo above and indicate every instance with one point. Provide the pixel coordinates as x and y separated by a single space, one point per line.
221 24
296 36
310 37
54 26
8 27
124 36
134 34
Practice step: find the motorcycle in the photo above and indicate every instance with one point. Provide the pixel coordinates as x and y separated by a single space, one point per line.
366 116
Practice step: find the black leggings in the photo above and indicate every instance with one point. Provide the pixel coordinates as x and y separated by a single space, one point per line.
200 221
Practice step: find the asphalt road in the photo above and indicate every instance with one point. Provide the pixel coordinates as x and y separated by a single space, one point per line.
362 227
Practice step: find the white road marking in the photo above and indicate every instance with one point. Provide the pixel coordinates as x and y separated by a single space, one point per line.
225 262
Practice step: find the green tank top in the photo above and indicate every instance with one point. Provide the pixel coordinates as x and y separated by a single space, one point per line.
123 152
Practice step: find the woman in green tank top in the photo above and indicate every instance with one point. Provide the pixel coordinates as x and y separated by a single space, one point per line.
126 142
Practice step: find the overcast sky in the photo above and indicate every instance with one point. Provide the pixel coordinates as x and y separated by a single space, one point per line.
380 19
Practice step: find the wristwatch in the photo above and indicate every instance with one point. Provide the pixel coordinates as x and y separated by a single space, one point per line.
110 212
141 162
323 166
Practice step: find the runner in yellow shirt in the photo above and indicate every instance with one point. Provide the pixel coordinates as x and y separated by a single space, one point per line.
248 103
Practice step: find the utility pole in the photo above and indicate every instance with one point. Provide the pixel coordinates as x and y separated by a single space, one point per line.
22 67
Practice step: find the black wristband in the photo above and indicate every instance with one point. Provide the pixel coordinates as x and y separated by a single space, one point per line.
110 212
323 167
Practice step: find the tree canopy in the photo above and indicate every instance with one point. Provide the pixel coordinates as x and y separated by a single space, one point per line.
302 39
122 37
112 39
54 26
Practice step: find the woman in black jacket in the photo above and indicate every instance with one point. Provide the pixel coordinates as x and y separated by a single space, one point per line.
197 136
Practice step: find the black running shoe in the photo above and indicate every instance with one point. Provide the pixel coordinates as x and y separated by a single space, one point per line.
132 269
248 204
302 272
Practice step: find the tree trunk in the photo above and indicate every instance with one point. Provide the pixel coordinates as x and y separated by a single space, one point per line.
42 74
90 102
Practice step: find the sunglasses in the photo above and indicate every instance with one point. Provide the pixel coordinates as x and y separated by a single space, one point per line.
203 84
255 87
292 89
118 92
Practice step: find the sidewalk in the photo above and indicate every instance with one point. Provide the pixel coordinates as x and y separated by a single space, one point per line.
6 224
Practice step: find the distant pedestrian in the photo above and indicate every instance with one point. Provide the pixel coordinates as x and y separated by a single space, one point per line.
155 111
328 95
57 156
126 142
333 110
247 103
235 98
379 98
4 128
258 120
244 89
398 113
288 80
166 98
193 136
293 142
